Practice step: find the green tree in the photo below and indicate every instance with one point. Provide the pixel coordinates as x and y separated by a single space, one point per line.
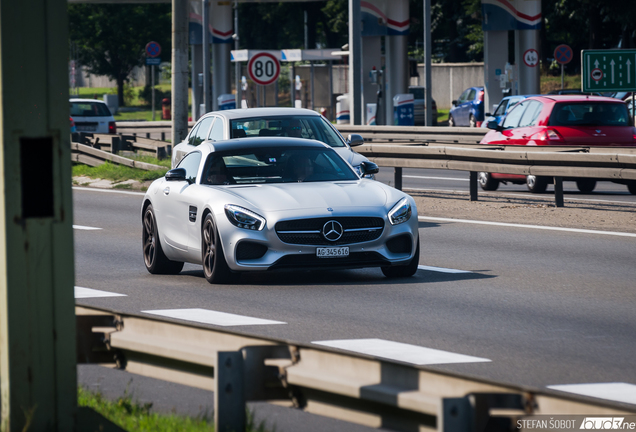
111 38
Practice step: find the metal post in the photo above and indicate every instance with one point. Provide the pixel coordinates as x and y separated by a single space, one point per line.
562 79
428 105
229 395
355 62
206 55
152 81
179 70
237 65
397 178
473 186
306 35
331 113
558 191
292 84
38 384
313 104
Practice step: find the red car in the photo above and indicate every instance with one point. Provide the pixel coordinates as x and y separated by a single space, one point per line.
560 120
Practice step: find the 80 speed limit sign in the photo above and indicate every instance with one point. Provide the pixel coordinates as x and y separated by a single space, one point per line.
263 68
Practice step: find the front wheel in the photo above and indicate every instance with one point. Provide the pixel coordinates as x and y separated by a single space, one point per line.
404 270
486 181
537 184
451 121
215 268
155 260
586 185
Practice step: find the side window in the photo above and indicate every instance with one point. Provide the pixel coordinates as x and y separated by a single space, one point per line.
501 109
463 97
513 117
531 114
216 134
202 132
471 95
193 133
512 103
191 164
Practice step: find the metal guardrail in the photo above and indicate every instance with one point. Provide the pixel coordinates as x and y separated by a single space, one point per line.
357 388
115 143
94 157
416 134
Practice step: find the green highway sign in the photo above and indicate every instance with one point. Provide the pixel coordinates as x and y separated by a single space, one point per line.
608 70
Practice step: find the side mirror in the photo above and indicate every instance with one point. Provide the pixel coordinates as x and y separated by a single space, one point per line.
177 174
355 140
454 103
492 124
488 115
369 167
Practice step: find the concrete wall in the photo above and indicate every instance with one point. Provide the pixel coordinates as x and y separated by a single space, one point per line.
85 79
450 80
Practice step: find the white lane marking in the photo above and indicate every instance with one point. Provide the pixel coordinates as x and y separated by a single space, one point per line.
400 351
617 391
539 227
81 292
108 191
87 228
441 269
435 178
206 316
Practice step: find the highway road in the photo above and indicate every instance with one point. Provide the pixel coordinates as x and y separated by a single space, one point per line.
530 307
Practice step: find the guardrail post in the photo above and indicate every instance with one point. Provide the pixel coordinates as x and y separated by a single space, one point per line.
473 186
397 177
163 136
558 191
456 416
229 395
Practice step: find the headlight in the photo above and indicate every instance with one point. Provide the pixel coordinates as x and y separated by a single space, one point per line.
401 212
244 218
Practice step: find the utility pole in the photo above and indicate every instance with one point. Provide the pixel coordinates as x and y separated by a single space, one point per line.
428 98
179 70
237 64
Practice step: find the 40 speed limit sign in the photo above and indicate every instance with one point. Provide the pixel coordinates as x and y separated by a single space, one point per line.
263 68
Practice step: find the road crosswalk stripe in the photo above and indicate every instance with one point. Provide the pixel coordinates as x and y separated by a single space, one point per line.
615 391
206 316
87 228
441 269
400 351
81 292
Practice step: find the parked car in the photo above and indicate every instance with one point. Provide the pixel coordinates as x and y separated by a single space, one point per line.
560 120
255 122
418 95
72 125
622 95
503 108
468 110
275 203
92 115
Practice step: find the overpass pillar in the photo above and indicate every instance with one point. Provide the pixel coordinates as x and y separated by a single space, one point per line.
221 16
495 59
396 59
179 70
527 58
355 63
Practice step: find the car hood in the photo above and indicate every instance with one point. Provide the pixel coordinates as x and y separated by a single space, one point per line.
293 196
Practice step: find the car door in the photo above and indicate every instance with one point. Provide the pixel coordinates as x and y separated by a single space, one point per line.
456 111
510 122
466 106
528 123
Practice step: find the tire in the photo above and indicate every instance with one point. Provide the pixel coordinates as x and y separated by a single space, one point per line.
451 121
215 268
631 187
486 181
537 184
155 260
472 122
407 270
586 185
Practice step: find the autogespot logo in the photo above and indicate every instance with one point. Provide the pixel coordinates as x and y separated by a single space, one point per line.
332 230
602 423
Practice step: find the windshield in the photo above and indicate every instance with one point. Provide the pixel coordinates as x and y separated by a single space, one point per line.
311 127
589 114
89 109
275 165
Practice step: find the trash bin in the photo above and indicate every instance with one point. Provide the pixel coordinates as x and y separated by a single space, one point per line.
165 109
342 109
226 101
372 110
403 110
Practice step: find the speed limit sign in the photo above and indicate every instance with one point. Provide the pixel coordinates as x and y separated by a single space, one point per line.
263 68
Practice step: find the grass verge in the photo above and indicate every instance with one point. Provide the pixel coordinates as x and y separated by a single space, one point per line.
117 173
134 416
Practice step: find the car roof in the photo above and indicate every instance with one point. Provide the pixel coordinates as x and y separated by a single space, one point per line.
240 113
578 98
245 143
85 100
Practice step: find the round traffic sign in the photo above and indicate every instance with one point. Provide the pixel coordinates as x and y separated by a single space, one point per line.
531 57
263 68
153 49
563 54
597 74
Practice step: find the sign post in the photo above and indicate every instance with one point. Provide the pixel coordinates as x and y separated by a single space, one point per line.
153 49
563 55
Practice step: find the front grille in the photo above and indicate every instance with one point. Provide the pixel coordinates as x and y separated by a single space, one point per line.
308 262
309 231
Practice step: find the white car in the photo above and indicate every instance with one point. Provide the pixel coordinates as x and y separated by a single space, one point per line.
93 116
278 122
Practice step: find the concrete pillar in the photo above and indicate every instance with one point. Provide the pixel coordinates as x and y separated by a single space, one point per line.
371 56
197 84
37 319
495 58
396 59
221 17
527 61
205 34
179 107
355 63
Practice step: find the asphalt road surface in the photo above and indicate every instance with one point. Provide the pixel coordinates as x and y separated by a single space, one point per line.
531 307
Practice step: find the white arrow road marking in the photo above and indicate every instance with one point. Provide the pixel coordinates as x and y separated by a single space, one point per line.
590 71
612 64
400 351
87 228
616 391
206 316
441 269
629 66
81 292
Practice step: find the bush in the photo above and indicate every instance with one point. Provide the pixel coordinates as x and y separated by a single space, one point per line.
145 94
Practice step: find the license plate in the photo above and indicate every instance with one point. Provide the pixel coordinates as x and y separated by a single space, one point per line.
332 252
86 128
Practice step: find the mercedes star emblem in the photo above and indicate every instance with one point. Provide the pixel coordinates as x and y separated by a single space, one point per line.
332 230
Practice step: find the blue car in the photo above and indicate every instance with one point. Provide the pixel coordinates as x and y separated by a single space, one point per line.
502 109
468 110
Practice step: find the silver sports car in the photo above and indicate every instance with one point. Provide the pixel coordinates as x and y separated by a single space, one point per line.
257 204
